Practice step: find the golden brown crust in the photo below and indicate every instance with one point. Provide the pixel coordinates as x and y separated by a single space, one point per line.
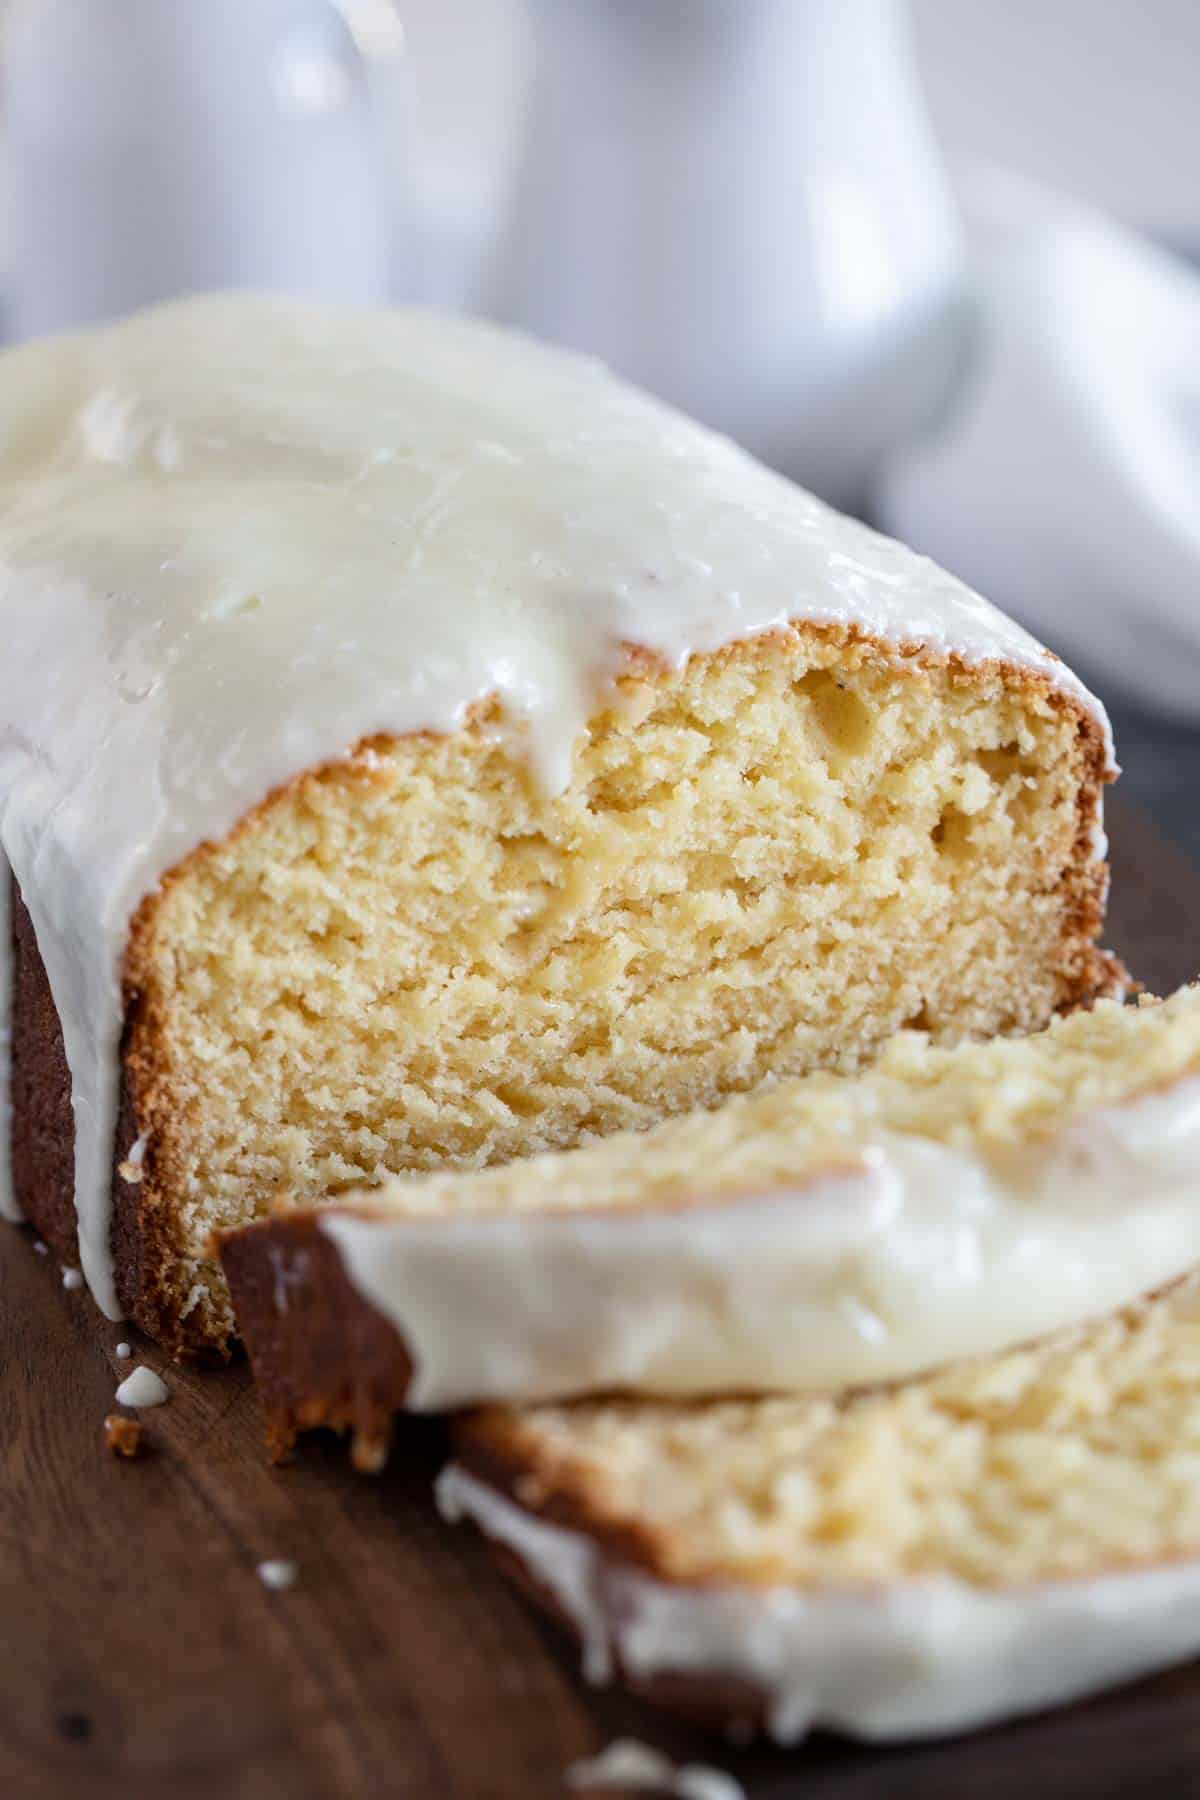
124 1437
43 1157
145 1221
322 1357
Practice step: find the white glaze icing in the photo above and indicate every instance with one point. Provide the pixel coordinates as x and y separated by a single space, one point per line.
8 1199
919 1256
277 1573
142 1388
626 1763
917 1660
72 1279
243 533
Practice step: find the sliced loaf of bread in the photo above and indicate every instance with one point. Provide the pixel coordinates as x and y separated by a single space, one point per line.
418 749
822 1232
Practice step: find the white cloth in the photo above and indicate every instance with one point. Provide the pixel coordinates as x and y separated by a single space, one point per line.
1063 478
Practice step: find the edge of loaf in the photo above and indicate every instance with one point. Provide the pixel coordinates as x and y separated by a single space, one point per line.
259 541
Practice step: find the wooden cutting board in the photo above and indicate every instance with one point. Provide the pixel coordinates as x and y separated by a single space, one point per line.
141 1656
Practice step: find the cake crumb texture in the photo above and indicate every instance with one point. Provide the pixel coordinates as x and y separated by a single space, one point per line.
765 864
999 1100
1073 1458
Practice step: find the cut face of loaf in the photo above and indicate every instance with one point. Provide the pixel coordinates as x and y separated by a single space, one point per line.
765 864
1006 1535
824 1232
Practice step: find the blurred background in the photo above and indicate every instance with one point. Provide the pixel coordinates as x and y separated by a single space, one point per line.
938 259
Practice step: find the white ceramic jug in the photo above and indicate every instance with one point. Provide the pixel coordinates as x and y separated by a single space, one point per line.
160 146
739 203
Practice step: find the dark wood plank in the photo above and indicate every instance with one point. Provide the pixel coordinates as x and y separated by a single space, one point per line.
1154 910
140 1654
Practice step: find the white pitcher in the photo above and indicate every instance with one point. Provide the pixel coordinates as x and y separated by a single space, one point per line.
740 204
159 146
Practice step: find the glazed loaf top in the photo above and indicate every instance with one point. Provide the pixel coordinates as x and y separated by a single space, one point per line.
239 534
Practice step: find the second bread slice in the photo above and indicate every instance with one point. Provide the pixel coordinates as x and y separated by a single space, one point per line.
821 1233
1003 1536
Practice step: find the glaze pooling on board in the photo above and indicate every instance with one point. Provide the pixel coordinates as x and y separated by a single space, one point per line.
919 1659
245 533
920 1256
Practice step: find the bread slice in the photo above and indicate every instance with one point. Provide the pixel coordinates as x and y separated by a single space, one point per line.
424 751
997 1538
822 1232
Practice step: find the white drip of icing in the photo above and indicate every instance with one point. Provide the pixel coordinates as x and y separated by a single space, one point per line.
142 1388
918 1256
244 533
918 1659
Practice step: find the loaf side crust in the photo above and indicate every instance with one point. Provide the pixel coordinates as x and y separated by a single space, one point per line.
321 1354
43 1144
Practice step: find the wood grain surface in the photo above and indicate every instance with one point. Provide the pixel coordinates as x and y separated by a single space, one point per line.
141 1656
